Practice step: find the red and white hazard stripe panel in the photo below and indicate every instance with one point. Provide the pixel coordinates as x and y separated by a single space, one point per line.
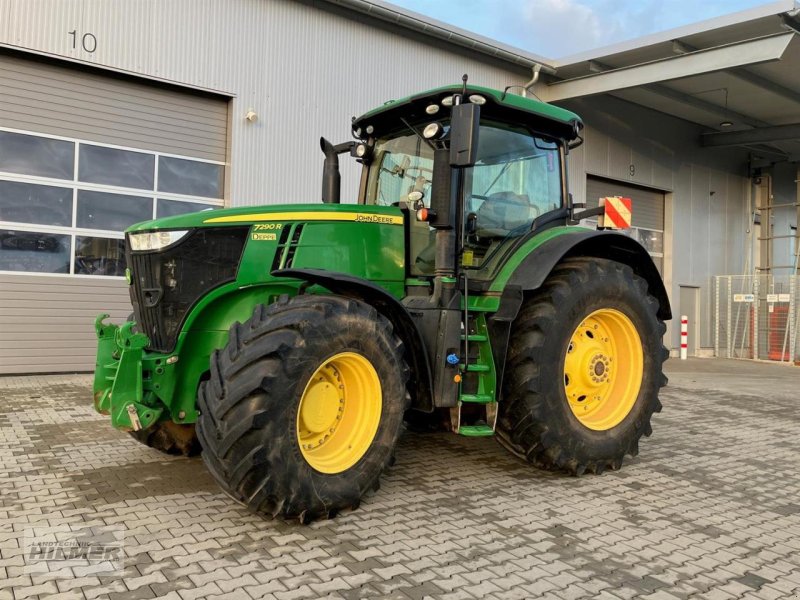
684 337
617 212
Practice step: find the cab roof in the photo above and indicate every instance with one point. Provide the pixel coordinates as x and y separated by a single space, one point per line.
505 106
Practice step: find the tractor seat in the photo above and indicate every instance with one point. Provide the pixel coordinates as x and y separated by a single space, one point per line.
503 212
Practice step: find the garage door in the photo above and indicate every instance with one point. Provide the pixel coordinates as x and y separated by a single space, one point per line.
648 212
83 155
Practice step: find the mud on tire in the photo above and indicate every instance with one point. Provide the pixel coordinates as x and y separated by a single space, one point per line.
249 406
535 420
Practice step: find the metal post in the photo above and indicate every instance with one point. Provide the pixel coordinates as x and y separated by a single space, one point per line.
792 317
795 291
731 335
716 317
756 345
684 336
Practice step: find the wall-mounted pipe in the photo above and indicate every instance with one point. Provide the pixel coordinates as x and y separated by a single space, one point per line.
526 88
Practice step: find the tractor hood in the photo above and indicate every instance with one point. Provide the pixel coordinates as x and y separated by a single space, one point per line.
275 213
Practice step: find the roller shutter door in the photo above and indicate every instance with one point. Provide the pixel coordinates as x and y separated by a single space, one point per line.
648 212
83 154
648 204
64 101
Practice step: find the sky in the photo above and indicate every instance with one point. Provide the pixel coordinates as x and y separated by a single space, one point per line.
558 28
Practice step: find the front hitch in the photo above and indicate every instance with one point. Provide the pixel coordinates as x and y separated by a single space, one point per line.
118 376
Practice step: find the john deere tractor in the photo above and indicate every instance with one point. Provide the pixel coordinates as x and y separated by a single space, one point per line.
288 343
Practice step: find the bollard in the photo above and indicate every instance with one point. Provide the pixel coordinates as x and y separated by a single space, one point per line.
684 337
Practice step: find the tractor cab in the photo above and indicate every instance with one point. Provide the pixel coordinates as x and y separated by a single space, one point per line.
515 184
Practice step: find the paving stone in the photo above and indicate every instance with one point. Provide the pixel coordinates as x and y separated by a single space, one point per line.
163 589
208 589
694 516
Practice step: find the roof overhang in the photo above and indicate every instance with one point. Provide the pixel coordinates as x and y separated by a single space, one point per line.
745 53
737 76
733 24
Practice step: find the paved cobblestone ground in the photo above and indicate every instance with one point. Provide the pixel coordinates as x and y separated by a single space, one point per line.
710 509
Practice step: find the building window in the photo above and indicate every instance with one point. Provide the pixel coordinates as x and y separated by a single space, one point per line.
99 256
36 155
189 177
121 168
34 252
39 204
111 212
64 203
172 208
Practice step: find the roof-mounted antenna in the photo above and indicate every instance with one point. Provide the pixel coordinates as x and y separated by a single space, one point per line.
459 98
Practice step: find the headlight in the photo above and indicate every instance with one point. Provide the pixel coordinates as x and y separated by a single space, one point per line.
433 131
155 240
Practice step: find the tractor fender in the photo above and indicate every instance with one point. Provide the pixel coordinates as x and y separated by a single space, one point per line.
421 381
534 269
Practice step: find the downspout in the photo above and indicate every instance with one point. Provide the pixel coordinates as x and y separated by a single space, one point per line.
526 88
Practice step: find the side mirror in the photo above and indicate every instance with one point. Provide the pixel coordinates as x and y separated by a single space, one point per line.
464 127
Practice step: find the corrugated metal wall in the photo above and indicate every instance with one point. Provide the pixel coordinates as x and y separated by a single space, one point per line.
784 217
304 70
709 233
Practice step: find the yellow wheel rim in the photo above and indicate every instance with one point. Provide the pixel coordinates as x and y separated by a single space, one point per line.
603 368
339 412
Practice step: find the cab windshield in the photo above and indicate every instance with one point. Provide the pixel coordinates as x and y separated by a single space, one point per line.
403 164
516 178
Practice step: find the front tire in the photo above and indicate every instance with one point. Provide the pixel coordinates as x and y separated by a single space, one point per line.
304 407
584 369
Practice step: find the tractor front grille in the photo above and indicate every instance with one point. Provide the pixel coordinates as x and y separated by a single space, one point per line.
166 284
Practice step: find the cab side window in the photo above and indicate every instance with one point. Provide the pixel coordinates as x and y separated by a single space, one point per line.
516 179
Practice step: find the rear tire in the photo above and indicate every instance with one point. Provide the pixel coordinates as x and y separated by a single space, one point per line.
542 418
170 438
285 367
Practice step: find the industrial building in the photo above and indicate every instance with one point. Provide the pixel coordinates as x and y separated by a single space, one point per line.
152 108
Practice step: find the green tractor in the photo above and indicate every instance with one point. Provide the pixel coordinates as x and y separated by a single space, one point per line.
289 343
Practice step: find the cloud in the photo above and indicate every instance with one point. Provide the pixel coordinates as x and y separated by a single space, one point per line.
556 28
562 27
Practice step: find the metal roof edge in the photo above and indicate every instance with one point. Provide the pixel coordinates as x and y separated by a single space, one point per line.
433 28
774 8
